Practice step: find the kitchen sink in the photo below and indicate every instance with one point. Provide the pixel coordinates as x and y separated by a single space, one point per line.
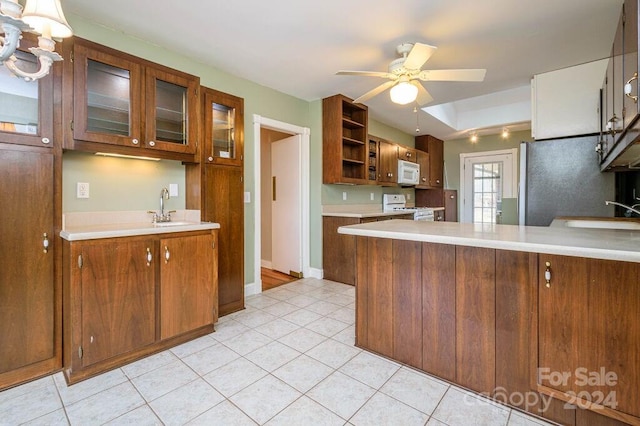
602 224
166 224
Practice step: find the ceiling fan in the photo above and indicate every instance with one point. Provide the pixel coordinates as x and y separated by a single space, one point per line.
405 72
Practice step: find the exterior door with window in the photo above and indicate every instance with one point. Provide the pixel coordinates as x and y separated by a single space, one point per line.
486 178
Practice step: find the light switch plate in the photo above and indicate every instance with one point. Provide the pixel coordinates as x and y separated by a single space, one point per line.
344 196
247 197
173 190
82 190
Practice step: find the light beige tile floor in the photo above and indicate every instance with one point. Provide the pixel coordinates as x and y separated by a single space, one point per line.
288 359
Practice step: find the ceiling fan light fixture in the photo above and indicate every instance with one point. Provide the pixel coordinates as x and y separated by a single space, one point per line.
403 93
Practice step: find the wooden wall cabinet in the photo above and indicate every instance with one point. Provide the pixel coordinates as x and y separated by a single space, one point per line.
407 154
119 103
215 187
387 163
127 297
423 162
345 148
30 164
435 148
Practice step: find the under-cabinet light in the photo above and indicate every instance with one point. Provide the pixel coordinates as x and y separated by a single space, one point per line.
133 157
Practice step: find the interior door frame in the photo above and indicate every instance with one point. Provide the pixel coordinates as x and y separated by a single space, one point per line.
462 198
304 132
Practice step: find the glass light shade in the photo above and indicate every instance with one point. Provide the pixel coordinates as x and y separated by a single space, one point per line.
403 93
46 17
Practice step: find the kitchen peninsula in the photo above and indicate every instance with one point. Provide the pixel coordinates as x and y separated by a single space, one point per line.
545 319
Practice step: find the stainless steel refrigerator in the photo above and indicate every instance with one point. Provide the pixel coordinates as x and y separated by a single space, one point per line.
562 177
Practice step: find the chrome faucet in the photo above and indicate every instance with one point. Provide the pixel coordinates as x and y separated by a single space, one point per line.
161 216
629 208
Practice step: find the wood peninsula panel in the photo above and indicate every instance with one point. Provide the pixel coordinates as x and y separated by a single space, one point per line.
407 302
439 310
612 333
362 292
379 280
475 318
516 286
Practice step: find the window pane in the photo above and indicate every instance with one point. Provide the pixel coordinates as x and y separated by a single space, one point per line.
171 112
223 131
18 98
108 96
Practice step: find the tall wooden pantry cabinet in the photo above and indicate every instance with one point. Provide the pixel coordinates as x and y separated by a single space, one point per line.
30 167
216 188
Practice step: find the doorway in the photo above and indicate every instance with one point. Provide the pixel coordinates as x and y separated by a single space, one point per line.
281 225
486 178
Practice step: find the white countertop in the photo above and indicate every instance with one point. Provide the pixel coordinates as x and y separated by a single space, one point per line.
94 225
610 244
362 211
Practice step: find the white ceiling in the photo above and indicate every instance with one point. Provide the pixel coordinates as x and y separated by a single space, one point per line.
297 46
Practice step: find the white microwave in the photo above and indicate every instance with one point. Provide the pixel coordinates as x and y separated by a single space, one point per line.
408 173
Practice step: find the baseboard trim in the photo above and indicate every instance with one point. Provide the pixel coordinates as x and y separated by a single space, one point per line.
251 289
316 273
265 263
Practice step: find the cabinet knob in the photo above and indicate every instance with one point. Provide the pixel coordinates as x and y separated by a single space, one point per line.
135 141
424 179
210 159
408 155
452 197
547 274
167 255
389 174
46 141
152 143
149 256
437 180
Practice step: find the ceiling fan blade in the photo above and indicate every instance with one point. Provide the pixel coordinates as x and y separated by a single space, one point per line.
419 54
453 75
369 74
423 97
376 91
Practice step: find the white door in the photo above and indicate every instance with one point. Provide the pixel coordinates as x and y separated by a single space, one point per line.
486 178
286 222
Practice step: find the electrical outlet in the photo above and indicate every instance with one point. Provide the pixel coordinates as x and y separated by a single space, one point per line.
173 190
372 196
344 196
247 197
408 196
82 190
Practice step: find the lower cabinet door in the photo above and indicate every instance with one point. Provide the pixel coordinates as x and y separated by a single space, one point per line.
118 298
186 284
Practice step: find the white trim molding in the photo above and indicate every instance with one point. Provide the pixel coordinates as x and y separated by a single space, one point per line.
304 132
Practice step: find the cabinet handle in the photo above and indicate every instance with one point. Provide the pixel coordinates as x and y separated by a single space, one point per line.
628 88
135 141
167 255
547 274
46 141
45 243
152 143
149 256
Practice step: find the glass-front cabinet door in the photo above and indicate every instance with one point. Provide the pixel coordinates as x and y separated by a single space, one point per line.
106 97
224 125
26 108
171 107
